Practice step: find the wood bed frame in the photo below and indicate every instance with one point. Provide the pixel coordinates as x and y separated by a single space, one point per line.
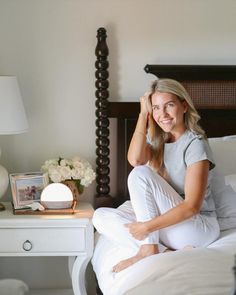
212 88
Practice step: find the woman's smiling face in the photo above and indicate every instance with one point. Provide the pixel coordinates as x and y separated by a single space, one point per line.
168 112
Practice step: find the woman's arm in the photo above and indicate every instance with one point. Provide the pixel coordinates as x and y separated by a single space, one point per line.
195 186
139 151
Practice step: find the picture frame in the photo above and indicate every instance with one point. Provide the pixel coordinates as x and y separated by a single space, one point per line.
26 188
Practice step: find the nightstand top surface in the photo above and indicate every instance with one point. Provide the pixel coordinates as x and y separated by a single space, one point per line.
84 214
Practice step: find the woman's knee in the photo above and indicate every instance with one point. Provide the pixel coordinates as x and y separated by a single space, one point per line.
138 174
98 218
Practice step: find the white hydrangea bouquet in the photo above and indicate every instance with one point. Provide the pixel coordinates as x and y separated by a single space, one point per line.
64 170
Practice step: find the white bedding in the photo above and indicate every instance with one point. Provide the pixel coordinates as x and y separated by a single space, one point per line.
202 271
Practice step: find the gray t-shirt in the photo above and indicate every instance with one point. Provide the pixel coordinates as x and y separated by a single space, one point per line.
188 149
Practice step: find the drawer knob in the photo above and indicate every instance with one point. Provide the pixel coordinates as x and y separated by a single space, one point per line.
27 246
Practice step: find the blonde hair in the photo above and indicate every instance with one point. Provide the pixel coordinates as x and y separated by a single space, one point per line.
156 135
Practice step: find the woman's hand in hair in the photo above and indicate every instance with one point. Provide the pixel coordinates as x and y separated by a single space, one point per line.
139 152
145 104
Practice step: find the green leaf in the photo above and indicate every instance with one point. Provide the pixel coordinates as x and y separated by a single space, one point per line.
80 187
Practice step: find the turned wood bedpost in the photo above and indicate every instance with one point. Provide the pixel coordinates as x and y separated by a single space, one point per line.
102 121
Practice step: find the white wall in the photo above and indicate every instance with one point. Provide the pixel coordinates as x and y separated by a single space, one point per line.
49 45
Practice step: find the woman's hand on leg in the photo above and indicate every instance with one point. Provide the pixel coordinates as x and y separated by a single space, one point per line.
139 230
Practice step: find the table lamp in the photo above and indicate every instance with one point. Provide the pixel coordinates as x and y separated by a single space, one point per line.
12 119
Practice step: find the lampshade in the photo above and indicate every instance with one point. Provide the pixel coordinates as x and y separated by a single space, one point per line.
12 113
12 119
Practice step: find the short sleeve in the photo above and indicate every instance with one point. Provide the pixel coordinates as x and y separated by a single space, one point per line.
199 150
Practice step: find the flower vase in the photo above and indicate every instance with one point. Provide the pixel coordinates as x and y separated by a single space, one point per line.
74 189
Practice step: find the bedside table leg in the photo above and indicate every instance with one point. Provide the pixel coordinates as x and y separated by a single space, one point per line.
71 260
77 267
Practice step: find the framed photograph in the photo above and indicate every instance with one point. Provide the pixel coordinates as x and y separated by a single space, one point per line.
27 188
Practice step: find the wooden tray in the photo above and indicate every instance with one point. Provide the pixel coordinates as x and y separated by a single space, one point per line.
74 209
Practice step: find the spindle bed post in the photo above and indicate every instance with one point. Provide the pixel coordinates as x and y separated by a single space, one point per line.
102 121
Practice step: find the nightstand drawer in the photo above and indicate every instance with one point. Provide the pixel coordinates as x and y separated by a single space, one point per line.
55 241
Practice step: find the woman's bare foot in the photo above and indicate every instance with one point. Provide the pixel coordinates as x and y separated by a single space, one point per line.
144 251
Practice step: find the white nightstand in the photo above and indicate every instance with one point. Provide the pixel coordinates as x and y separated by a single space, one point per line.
51 235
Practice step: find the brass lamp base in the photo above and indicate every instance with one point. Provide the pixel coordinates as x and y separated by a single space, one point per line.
2 207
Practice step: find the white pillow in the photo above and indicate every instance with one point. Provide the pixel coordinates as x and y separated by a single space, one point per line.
224 180
231 180
224 151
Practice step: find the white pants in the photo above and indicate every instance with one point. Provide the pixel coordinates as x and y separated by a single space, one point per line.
151 196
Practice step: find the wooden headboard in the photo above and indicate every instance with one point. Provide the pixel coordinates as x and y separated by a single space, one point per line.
212 88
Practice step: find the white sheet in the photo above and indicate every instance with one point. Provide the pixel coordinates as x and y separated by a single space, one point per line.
202 271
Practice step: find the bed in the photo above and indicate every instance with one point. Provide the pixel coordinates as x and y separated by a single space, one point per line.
199 271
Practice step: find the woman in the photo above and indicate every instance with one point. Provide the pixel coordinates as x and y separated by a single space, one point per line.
171 205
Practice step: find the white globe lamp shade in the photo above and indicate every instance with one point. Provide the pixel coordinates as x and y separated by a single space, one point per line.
56 196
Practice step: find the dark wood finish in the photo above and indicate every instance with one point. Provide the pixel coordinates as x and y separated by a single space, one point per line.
123 110
193 72
102 122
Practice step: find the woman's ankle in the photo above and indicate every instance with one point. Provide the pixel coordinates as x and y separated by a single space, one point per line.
148 250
